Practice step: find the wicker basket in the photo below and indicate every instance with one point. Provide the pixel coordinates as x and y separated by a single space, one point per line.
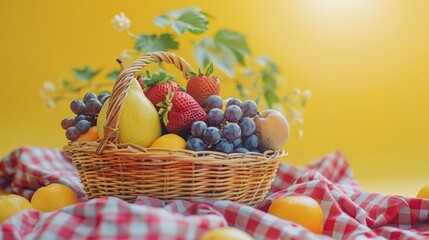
109 167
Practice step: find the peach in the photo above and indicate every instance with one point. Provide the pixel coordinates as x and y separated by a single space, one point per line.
272 128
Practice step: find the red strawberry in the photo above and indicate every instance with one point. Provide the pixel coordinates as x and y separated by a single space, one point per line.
157 85
179 111
200 86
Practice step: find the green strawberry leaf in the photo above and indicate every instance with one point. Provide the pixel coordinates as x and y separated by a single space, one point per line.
153 42
85 74
113 75
209 70
267 62
157 78
191 19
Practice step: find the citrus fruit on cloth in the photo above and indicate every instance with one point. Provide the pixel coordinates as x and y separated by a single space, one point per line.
423 192
170 140
53 197
226 233
301 209
12 204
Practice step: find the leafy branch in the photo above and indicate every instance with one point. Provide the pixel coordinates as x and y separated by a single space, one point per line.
255 77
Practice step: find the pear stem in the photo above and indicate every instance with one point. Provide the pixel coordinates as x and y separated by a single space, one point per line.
118 60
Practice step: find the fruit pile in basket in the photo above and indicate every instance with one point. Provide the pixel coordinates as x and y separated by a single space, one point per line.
158 112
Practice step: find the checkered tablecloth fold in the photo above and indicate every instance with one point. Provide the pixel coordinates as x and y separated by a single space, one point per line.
349 213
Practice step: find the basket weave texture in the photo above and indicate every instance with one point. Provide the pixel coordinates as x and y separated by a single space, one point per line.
109 167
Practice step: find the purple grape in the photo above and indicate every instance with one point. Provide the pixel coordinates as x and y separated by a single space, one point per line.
236 143
71 134
233 113
93 106
232 131
195 144
233 101
94 121
215 117
251 142
81 117
247 126
249 108
78 107
67 122
241 150
223 146
211 135
82 126
88 96
198 128
102 97
213 101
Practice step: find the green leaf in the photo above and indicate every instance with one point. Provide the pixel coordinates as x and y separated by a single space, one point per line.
68 85
270 97
153 42
268 79
234 42
210 69
267 62
157 78
113 75
85 74
191 19
207 51
240 89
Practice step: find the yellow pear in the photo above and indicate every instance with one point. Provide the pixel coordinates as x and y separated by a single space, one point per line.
138 121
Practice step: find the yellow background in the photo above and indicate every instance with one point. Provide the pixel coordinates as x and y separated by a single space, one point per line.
366 62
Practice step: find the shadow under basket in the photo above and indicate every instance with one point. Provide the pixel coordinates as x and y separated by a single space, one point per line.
108 167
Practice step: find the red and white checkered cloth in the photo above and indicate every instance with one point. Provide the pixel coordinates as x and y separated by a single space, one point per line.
349 212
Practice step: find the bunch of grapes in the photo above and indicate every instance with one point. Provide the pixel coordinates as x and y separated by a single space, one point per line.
226 131
86 115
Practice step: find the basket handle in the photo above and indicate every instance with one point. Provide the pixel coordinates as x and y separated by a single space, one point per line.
122 84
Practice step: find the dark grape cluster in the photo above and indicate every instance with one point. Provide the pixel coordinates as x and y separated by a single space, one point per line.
86 114
229 131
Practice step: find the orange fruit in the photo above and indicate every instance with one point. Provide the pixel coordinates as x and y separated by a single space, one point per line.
53 197
12 204
90 136
226 233
301 209
423 192
170 140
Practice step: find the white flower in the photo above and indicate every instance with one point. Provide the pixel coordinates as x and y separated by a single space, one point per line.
300 133
306 93
120 22
296 91
50 104
49 87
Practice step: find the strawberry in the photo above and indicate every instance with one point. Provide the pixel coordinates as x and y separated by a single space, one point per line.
156 86
179 111
200 86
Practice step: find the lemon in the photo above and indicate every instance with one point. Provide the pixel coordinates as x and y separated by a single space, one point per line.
226 233
423 192
170 140
53 197
300 209
12 204
138 121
